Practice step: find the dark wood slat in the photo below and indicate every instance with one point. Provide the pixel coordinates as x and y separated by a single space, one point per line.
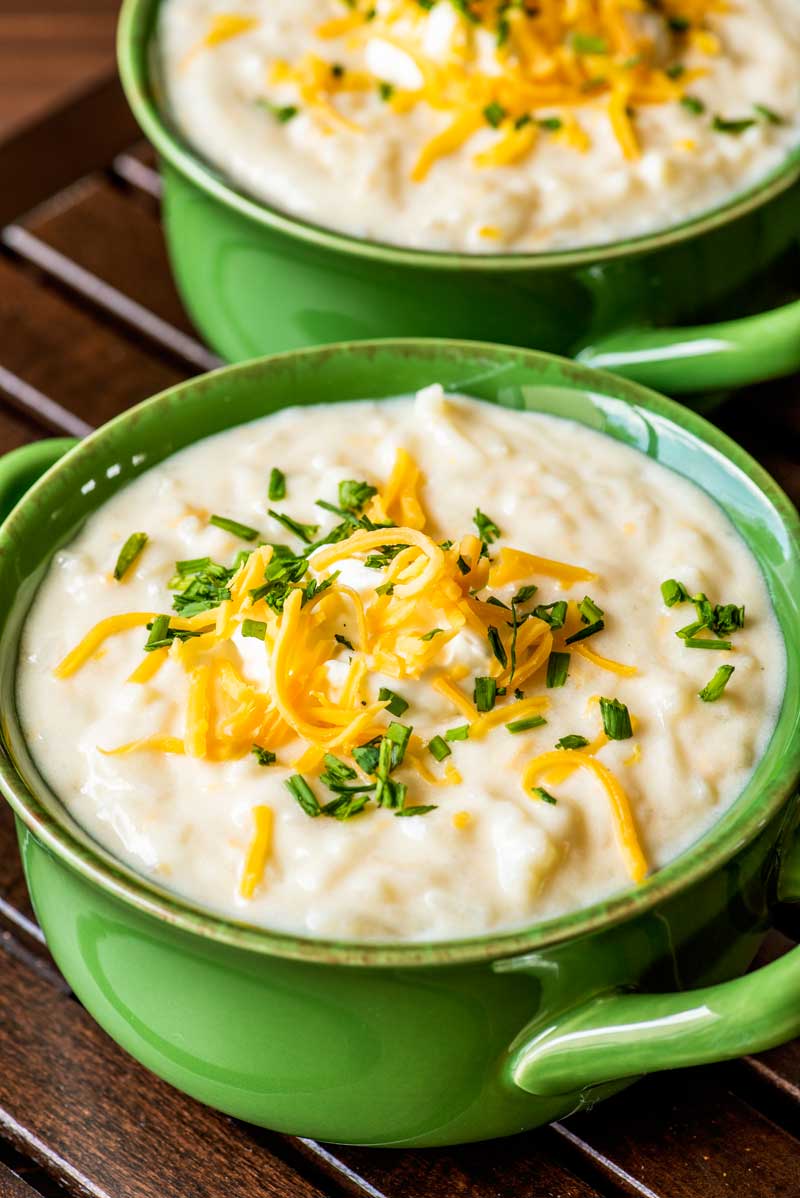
93 1118
16 430
684 1135
66 356
99 228
12 1186
766 421
522 1166
111 251
50 154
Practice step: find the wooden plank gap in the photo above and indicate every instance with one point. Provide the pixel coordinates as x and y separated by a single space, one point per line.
604 1164
103 295
342 1171
46 411
143 177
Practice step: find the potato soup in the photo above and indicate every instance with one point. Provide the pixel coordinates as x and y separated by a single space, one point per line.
420 668
486 126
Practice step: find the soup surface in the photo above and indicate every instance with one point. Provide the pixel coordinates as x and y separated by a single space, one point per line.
472 706
487 127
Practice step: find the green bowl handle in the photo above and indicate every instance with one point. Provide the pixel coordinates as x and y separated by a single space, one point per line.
707 357
20 469
619 1035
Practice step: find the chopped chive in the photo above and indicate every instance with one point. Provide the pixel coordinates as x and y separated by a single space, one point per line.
385 90
461 732
721 124
158 638
587 43
277 484
544 795
353 494
551 123
713 689
233 526
399 735
497 646
495 602
406 811
463 565
769 114
263 756
572 740
675 70
698 642
727 618
525 725
396 703
557 669
428 636
487 529
553 614
693 104
306 532
283 113
494 114
342 640
254 628
348 804
366 757
302 792
678 24
590 613
673 592
129 553
525 593
587 631
195 565
690 629
616 719
386 588
484 693
439 748
337 770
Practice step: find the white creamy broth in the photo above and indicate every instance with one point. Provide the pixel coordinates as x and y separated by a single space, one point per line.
587 125
491 854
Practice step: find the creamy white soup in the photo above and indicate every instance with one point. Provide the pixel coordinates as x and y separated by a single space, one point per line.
487 127
411 669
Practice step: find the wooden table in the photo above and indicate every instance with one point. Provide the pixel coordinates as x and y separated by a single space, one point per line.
89 324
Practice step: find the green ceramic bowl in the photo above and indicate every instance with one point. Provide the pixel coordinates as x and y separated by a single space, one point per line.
412 1043
256 281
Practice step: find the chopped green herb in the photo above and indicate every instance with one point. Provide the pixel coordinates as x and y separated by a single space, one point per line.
366 756
484 693
553 614
494 114
616 719
487 529
727 618
673 592
461 732
735 126
336 772
590 613
353 495
698 642
282 113
525 593
406 811
693 104
399 735
158 634
348 804
396 703
254 628
551 123
675 70
557 669
526 724
463 565
587 631
497 646
277 484
302 792
306 532
386 588
385 90
439 748
263 756
544 795
769 114
572 741
342 640
678 24
428 636
233 526
129 553
713 689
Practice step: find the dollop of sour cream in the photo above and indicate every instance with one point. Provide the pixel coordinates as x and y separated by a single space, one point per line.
420 126
491 852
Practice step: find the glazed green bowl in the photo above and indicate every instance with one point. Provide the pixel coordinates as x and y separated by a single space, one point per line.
257 281
413 1043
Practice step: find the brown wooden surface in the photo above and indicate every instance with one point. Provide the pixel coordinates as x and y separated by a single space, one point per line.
89 324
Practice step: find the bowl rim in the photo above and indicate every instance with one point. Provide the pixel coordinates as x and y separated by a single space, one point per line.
99 867
133 51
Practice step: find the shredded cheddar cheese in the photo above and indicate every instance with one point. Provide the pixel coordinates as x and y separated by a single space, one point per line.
258 851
